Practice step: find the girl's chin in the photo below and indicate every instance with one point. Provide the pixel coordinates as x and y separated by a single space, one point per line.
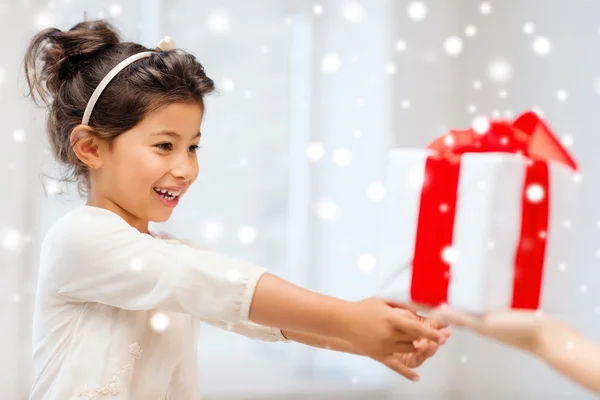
161 216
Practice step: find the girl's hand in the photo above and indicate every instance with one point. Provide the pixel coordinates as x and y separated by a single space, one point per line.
377 328
404 363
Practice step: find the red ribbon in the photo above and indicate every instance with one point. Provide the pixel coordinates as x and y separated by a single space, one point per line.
527 135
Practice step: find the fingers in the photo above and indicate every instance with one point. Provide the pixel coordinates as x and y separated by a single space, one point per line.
414 307
449 316
402 347
417 329
427 350
396 365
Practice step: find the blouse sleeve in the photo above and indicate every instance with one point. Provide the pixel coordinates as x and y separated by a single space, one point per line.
252 331
104 260
245 328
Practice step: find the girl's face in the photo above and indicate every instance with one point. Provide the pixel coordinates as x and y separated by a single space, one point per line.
147 169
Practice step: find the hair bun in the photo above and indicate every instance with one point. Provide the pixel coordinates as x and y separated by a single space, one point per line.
62 54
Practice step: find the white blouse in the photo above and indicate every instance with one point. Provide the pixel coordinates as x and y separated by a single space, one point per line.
100 284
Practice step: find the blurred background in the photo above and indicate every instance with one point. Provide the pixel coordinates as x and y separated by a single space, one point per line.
312 94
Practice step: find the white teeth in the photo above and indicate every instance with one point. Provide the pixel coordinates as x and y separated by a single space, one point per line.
170 194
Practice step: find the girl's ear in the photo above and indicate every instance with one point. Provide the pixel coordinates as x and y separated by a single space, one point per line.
87 146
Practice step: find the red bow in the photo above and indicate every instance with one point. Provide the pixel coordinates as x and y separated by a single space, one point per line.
527 135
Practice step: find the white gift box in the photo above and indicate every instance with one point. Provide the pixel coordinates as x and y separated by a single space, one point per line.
486 232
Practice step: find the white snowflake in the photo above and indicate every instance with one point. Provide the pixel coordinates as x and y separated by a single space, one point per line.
417 10
542 45
453 45
212 230
485 8
328 210
315 151
538 110
477 84
443 207
318 9
405 104
233 275
247 234
535 193
360 101
331 63
342 157
528 28
562 95
353 12
401 45
19 135
470 30
264 49
450 254
115 10
471 108
500 71
357 134
218 22
390 68
52 187
568 224
376 191
159 322
228 85
464 359
43 19
503 94
449 140
11 239
2 75
583 289
481 124
491 244
567 140
366 262
562 267
570 345
136 264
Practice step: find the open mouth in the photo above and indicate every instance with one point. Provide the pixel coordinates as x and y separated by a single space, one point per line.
167 194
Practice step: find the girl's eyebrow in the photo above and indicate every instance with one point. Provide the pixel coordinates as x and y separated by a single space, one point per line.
173 134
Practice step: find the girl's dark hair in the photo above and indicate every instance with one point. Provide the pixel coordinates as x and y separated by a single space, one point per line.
64 68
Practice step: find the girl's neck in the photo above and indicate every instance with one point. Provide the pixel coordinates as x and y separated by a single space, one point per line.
102 202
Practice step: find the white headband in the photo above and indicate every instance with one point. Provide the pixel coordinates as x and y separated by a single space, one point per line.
165 44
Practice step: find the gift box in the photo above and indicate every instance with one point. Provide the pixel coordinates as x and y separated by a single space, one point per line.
481 221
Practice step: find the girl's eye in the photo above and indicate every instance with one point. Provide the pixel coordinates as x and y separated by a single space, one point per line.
164 146
194 148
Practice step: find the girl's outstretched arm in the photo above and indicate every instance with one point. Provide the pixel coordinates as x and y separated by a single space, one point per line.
92 255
